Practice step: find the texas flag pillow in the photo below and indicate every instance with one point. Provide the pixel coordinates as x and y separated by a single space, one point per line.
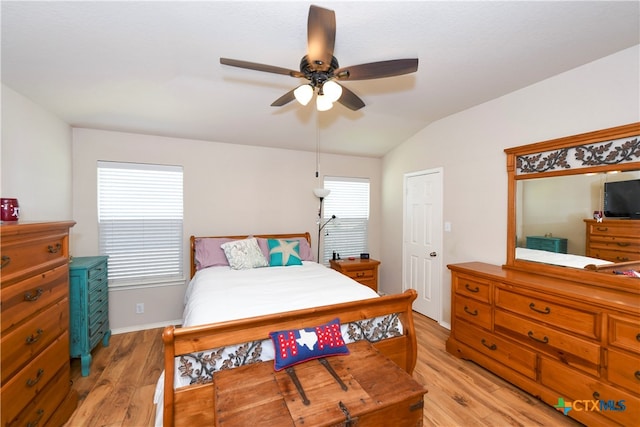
299 345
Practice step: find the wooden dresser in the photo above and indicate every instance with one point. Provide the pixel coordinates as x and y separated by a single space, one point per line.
560 340
364 271
89 294
616 240
35 324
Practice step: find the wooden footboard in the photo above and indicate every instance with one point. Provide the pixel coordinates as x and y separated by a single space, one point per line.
194 404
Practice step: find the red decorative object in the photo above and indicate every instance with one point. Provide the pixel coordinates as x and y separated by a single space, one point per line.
9 209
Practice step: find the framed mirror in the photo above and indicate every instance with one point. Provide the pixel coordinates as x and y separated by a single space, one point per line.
574 207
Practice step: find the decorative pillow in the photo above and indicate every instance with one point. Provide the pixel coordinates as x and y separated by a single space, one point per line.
209 253
304 248
284 252
244 254
300 345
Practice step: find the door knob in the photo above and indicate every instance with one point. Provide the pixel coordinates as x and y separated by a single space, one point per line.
433 254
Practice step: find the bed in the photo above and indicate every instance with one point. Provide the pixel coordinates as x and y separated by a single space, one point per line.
227 326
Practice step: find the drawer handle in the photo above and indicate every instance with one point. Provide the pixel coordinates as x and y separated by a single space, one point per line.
546 310
637 375
473 313
35 422
477 288
31 383
359 274
34 337
602 228
638 337
596 395
34 296
544 340
623 244
5 261
622 258
54 249
490 347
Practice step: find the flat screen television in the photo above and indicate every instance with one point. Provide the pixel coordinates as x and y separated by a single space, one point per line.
622 199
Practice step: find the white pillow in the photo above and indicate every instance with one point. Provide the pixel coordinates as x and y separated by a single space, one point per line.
244 254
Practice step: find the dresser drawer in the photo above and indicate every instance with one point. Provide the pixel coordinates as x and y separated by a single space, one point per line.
512 354
624 370
31 380
613 255
38 253
624 333
472 287
579 321
474 312
40 409
584 391
27 340
573 351
24 298
612 229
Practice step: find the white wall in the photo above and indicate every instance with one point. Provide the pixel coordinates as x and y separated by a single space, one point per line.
228 189
36 159
469 146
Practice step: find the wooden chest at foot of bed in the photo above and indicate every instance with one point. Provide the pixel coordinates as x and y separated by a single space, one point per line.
378 393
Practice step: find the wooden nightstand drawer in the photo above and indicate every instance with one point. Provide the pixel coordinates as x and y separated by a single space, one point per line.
364 271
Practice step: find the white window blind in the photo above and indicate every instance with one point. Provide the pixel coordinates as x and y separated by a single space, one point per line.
349 202
140 211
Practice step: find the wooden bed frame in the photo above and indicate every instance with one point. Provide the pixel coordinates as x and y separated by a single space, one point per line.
194 404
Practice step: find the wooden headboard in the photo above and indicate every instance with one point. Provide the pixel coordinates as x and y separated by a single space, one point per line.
192 242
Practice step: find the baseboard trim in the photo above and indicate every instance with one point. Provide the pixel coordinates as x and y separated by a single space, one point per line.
144 327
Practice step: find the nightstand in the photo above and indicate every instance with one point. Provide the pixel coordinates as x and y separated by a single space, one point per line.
551 244
89 307
364 271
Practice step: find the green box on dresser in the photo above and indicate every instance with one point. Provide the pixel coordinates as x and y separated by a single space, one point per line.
551 244
89 306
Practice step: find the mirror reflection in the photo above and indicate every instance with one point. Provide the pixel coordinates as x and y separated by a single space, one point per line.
551 214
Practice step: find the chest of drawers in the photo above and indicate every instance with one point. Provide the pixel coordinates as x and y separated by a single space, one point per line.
35 324
364 271
613 240
89 295
551 337
551 244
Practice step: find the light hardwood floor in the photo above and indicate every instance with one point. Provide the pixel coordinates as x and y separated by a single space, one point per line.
119 390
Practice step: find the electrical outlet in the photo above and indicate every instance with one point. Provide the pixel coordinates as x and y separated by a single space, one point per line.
140 308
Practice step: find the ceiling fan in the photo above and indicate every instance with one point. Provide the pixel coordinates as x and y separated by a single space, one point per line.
321 68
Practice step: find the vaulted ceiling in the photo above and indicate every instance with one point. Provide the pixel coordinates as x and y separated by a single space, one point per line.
153 67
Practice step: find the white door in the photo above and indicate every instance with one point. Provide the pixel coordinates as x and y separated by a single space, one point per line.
422 260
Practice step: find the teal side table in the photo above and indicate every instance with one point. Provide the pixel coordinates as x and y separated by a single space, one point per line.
89 307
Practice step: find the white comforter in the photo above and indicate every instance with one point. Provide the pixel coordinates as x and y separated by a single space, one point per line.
219 293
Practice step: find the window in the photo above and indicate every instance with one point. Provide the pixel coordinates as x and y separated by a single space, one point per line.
349 202
140 222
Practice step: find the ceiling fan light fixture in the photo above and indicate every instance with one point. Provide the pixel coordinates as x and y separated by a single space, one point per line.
332 90
303 94
323 103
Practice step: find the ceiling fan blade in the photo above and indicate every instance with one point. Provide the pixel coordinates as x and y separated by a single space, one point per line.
376 70
350 100
284 99
321 37
260 67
